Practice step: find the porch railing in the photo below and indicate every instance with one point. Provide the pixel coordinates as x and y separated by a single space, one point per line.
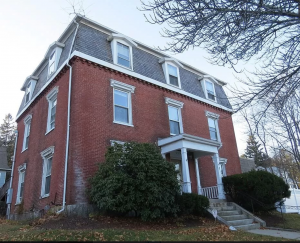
210 192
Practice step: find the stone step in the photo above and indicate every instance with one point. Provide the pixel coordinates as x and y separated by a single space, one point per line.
218 203
224 208
248 226
240 222
234 217
229 213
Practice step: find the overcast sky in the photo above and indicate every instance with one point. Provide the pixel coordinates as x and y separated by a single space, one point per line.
28 27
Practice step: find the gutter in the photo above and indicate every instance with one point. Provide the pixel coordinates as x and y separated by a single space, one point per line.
10 190
68 122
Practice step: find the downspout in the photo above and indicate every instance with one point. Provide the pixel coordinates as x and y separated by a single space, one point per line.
11 176
68 122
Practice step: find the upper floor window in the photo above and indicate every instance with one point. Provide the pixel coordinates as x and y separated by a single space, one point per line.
47 156
123 55
20 192
175 119
27 92
52 102
213 125
52 63
27 123
121 47
171 70
122 102
210 90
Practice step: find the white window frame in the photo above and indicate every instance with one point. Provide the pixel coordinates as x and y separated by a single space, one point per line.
53 63
178 105
129 89
222 166
21 170
170 61
115 38
46 155
205 90
51 97
28 90
27 123
215 117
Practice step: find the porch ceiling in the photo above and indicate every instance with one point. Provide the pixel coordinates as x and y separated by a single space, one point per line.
190 142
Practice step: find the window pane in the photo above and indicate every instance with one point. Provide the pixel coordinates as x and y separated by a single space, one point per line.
121 114
123 55
47 184
174 127
213 133
21 190
49 166
51 59
27 97
210 96
211 123
123 62
173 113
121 98
173 80
210 87
172 70
26 142
51 68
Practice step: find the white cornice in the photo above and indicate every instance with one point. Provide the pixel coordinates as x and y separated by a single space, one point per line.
212 115
27 119
47 152
122 86
173 60
22 167
172 102
121 37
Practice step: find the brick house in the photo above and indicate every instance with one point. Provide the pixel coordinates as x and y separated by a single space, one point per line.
95 87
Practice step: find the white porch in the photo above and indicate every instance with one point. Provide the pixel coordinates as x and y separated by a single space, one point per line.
184 143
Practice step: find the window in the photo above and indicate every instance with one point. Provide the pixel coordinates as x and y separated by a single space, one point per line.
213 126
122 102
173 75
47 156
174 112
27 123
52 66
52 100
27 92
222 166
20 192
210 90
123 55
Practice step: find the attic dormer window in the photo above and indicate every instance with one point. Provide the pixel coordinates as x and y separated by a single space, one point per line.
210 90
52 63
123 55
171 70
27 95
173 75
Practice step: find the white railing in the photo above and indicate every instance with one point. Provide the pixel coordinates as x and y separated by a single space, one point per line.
210 192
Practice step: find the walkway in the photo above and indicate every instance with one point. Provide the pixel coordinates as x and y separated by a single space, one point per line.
277 233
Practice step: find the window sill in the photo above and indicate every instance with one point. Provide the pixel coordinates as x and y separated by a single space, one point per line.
18 203
174 86
125 124
24 150
49 131
130 69
44 196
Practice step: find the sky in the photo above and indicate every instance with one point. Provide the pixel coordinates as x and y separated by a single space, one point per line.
28 28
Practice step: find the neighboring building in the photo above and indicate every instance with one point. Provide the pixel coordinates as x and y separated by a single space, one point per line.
4 168
247 165
121 90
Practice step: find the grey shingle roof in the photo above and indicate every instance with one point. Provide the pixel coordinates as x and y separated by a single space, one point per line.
3 159
94 43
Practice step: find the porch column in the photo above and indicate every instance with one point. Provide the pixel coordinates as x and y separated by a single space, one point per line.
219 177
198 177
186 186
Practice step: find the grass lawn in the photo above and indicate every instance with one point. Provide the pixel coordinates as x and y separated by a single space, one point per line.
25 231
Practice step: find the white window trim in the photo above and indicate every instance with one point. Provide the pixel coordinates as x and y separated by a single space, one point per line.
112 142
114 38
58 47
46 154
223 162
27 123
124 88
32 82
205 90
51 97
21 169
215 117
178 105
165 63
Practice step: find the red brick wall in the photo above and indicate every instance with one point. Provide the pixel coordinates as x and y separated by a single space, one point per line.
92 128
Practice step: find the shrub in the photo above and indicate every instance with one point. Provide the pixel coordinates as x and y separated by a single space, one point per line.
190 203
135 177
261 185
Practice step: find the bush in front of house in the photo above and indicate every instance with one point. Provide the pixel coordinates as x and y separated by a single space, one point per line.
192 204
262 186
136 178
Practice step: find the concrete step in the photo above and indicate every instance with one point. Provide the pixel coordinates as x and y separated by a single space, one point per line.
248 226
240 222
234 217
218 203
229 213
224 208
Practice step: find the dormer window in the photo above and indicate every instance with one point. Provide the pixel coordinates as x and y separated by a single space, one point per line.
27 92
171 70
121 47
210 90
28 87
52 63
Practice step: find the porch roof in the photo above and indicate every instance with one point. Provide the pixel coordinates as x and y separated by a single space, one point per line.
201 146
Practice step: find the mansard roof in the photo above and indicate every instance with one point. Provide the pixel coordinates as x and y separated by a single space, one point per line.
92 40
